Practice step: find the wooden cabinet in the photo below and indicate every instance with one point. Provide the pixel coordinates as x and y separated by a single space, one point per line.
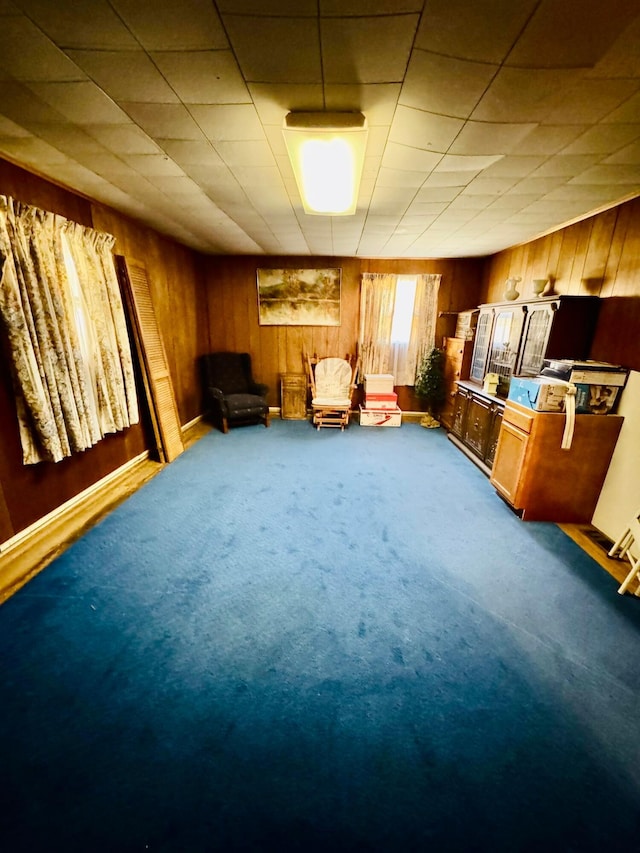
539 479
475 424
515 337
457 361
293 396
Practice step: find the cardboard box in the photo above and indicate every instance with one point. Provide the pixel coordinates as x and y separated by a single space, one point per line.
592 399
380 417
381 401
540 393
378 383
585 372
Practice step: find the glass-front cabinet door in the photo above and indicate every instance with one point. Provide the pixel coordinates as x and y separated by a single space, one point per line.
505 340
536 333
481 344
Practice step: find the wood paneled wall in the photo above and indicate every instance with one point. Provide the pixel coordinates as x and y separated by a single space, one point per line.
27 493
232 300
599 256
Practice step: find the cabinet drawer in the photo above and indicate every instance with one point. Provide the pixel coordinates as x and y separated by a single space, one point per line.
520 417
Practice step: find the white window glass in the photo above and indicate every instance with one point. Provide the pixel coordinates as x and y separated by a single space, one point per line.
403 310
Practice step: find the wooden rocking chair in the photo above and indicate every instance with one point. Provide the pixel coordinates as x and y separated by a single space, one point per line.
332 382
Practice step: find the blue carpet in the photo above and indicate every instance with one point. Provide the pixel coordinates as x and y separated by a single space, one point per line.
302 640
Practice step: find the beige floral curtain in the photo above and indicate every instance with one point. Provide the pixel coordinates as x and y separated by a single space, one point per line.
378 352
62 312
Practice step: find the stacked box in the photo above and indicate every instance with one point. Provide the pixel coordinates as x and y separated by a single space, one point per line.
598 383
380 417
378 383
380 401
542 393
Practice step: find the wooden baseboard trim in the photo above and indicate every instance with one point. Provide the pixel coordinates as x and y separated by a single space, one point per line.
31 550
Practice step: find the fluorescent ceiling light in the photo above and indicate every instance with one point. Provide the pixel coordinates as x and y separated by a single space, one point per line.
327 155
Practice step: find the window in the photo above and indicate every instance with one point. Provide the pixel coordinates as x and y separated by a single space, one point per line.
403 310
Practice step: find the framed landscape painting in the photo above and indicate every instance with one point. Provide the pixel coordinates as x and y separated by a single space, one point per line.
288 297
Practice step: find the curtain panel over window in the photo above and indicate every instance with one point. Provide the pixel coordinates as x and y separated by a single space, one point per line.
61 307
378 352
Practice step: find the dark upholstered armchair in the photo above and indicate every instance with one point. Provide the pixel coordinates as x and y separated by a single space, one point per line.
230 393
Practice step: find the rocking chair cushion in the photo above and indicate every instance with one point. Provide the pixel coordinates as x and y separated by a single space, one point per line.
334 402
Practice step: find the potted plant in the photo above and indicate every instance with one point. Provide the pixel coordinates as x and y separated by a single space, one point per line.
430 386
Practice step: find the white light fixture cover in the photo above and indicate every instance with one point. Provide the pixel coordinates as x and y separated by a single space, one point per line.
327 155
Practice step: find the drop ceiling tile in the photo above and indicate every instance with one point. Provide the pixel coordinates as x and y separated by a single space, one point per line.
167 25
11 129
483 31
564 165
191 153
259 176
571 34
626 113
274 101
589 194
538 185
204 76
466 162
629 155
434 193
29 55
511 202
70 26
603 138
548 139
623 57
81 103
589 101
405 157
514 166
346 8
263 48
228 121
152 164
428 131
369 50
471 201
440 84
401 178
68 138
376 100
114 71
609 174
392 200
489 138
489 186
450 179
122 139
184 188
164 121
276 142
22 106
32 151
111 168
251 153
273 8
376 142
524 94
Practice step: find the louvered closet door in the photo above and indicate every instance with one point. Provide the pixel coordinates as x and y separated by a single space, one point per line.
153 359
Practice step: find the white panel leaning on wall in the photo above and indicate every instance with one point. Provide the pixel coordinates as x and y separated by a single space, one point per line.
620 495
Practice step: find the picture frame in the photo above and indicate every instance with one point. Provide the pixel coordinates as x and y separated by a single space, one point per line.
299 297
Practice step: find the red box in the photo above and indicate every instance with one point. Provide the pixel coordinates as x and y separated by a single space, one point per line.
381 401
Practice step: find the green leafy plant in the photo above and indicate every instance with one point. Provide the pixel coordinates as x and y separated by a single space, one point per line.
430 385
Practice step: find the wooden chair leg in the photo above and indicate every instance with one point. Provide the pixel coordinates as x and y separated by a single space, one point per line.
225 426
